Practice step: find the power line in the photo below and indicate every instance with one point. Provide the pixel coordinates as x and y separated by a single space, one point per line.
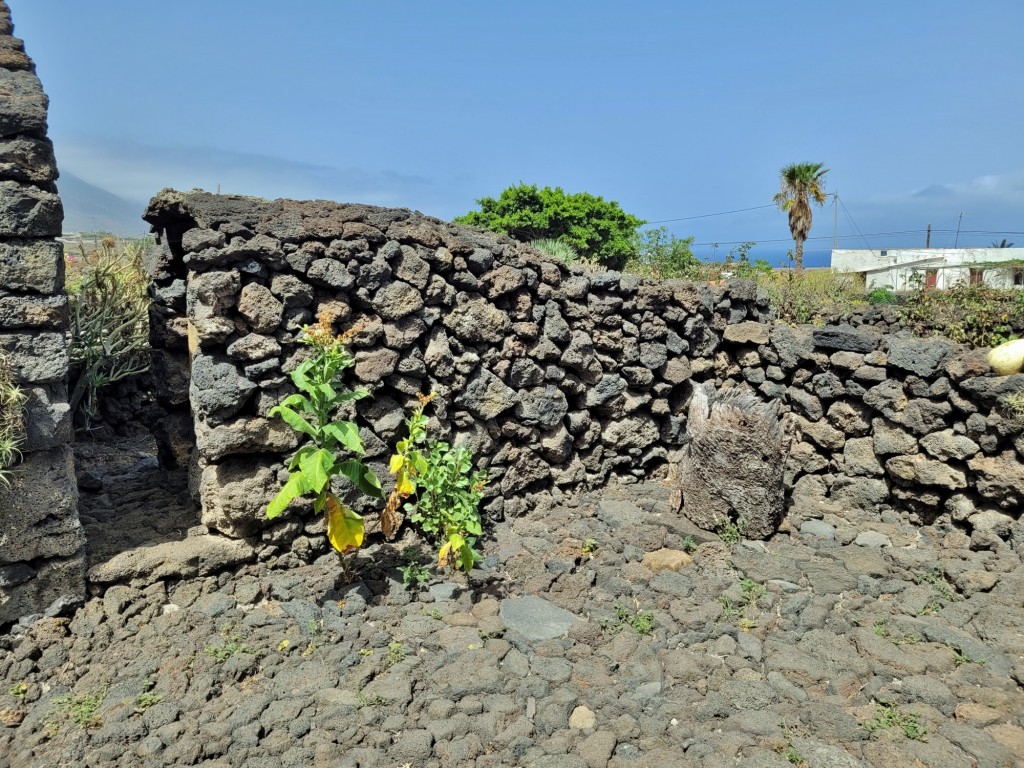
708 215
850 217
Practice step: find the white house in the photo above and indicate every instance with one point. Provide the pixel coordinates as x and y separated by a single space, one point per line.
902 268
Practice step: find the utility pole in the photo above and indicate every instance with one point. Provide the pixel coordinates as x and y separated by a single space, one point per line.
928 237
835 221
958 221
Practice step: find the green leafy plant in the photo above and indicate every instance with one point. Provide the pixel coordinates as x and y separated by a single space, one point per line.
18 690
971 314
589 547
731 532
226 650
937 578
881 296
595 228
414 573
80 710
888 715
663 256
108 304
880 629
311 412
689 545
147 698
396 653
445 492
751 590
641 622
12 425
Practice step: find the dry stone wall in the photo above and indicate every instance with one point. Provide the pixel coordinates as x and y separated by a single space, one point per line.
556 378
41 540
559 379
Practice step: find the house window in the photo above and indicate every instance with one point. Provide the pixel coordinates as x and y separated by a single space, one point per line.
885 253
977 277
1018 278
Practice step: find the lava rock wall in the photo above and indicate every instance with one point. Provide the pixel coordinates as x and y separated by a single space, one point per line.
41 540
557 378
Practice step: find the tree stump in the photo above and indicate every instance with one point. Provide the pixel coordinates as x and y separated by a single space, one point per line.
731 473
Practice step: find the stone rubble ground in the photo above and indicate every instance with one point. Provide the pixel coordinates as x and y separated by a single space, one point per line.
849 640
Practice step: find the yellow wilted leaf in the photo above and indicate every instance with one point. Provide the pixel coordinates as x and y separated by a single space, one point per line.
344 527
396 463
442 556
403 484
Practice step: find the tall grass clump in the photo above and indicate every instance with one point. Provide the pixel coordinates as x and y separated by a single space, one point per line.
12 424
109 312
812 295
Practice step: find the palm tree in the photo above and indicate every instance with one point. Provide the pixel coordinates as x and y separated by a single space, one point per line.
1003 244
800 184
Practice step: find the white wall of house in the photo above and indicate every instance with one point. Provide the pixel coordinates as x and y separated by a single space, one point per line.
895 267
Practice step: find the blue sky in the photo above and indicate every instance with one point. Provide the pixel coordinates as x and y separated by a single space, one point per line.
674 109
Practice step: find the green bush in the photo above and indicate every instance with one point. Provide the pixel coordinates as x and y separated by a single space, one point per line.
108 304
595 228
663 256
971 314
882 296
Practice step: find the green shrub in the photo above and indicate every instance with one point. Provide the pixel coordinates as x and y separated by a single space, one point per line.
596 228
881 296
663 256
445 492
970 314
108 305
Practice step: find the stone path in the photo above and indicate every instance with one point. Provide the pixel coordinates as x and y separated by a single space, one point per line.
602 632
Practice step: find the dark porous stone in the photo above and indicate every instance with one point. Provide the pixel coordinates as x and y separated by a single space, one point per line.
24 108
218 388
28 211
486 396
477 321
27 159
545 407
330 273
920 356
846 338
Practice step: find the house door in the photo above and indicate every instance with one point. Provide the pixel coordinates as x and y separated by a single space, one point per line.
931 278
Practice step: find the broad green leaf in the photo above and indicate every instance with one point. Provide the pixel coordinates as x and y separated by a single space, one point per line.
296 422
327 391
346 433
467 557
362 477
316 466
295 400
345 528
355 394
293 489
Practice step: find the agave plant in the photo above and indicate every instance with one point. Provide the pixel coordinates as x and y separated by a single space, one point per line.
12 425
